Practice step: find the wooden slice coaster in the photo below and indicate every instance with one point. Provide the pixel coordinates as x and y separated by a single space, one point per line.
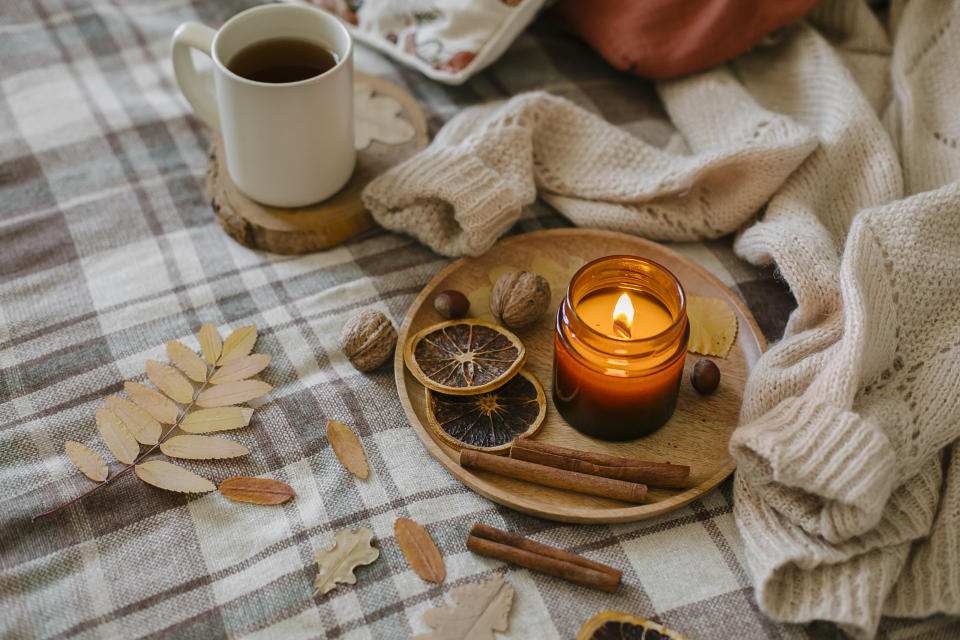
322 225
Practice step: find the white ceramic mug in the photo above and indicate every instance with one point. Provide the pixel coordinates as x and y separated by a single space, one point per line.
286 144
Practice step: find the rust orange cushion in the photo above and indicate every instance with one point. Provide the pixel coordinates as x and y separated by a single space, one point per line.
669 38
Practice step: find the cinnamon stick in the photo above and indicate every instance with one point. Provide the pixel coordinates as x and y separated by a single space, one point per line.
510 547
553 477
656 474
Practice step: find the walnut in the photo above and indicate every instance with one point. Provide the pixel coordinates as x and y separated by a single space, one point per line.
368 339
519 298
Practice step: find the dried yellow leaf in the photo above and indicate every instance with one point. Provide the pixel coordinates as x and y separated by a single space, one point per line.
185 359
210 341
256 490
118 439
156 404
165 475
238 344
347 446
241 368
169 381
87 460
419 549
481 608
229 393
219 419
713 326
247 414
141 424
350 550
202 448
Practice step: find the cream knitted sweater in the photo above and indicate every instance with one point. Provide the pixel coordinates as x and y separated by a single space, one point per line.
848 486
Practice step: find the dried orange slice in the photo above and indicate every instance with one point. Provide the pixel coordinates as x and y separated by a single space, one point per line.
464 357
616 625
489 421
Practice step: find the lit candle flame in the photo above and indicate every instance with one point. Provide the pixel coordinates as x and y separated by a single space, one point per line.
623 317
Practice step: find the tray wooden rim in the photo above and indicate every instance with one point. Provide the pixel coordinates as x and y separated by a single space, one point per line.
485 488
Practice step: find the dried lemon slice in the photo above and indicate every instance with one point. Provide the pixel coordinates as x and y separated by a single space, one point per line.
489 421
713 326
464 357
616 625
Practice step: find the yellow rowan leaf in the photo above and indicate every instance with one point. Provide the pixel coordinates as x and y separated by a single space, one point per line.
166 475
185 359
256 490
141 424
247 414
118 439
229 393
241 368
210 341
156 404
346 445
170 382
713 326
87 460
219 419
238 344
202 448
350 550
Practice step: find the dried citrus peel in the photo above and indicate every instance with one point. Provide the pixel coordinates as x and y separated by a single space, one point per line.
713 326
617 624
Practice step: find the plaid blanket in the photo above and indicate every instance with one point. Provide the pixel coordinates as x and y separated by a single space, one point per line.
108 248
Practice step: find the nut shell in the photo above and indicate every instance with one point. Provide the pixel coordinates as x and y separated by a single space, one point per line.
705 376
451 304
519 298
368 339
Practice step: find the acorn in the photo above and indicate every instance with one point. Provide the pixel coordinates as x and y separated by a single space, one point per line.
705 376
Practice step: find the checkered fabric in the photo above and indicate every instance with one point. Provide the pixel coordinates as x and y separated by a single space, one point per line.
108 248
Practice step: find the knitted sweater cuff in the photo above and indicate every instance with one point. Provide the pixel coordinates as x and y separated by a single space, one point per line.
826 469
447 198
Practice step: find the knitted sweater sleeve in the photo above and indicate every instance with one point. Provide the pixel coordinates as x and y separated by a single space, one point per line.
466 190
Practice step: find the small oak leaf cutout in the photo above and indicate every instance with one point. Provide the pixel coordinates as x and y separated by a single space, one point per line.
481 608
378 117
335 565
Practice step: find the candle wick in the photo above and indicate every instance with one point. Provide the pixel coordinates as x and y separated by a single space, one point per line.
621 327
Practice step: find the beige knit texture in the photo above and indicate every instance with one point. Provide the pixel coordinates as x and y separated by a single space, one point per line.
847 128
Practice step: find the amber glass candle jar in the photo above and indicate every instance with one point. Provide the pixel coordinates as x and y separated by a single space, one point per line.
620 342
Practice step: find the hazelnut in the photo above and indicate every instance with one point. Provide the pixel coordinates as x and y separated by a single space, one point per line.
519 298
705 376
368 339
451 304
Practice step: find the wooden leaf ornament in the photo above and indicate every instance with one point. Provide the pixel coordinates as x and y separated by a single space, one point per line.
184 358
141 424
230 393
418 548
156 404
202 448
170 382
87 460
118 439
350 550
238 344
211 344
347 446
256 490
481 608
208 420
241 368
166 475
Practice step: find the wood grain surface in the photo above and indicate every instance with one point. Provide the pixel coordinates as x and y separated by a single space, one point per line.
697 435
327 223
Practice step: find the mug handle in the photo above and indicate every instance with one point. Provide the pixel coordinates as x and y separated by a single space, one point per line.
198 90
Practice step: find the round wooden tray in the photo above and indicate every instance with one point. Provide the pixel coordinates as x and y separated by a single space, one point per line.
696 435
321 225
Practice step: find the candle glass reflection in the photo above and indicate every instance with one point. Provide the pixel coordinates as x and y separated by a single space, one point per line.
619 347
